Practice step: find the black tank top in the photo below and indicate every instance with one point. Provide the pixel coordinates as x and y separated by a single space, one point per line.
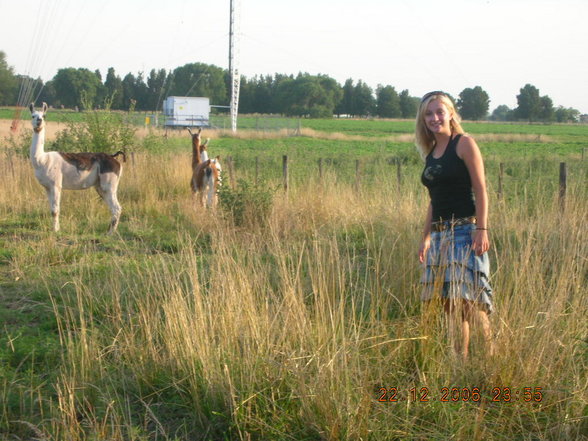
449 184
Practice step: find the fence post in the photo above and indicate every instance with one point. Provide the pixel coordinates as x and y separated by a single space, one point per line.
399 173
285 171
500 178
563 175
357 175
256 169
320 166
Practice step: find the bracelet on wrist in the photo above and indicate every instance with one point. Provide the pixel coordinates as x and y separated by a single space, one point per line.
485 229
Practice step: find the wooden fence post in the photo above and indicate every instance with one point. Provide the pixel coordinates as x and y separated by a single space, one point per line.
320 166
500 178
256 169
563 175
285 171
357 175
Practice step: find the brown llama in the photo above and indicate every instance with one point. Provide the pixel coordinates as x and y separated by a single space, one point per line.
206 173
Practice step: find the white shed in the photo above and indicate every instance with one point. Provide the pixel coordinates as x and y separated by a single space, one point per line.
186 111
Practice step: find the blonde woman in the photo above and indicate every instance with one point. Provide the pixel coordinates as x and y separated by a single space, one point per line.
455 235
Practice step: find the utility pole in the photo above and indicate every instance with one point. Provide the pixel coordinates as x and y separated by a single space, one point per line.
233 60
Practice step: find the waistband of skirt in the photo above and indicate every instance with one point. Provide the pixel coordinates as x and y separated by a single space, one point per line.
444 225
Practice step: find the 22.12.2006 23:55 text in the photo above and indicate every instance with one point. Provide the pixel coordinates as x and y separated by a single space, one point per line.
455 394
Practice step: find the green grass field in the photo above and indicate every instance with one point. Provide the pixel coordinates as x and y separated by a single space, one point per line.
303 323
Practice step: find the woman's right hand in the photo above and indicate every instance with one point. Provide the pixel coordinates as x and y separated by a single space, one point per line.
425 245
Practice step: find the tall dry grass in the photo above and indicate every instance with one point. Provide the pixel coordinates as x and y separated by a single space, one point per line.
288 330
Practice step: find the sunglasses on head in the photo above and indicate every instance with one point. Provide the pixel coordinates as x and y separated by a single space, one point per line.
435 92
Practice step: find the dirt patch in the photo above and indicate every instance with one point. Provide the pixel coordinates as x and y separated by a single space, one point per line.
51 131
53 128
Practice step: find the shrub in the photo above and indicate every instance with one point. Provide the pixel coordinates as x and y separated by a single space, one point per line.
101 131
20 144
247 204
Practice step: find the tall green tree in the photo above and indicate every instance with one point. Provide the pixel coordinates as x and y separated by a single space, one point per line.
308 95
387 102
409 105
565 115
364 103
76 87
156 84
333 92
48 94
529 103
473 103
199 79
546 111
8 83
141 92
129 95
263 95
345 104
113 89
502 113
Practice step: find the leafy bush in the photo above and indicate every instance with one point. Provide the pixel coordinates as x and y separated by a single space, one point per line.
247 204
101 131
20 144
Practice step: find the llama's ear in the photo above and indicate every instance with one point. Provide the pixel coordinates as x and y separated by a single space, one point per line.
32 107
189 131
205 143
199 130
44 107
217 158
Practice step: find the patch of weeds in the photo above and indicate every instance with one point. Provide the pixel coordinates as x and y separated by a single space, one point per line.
5 256
155 143
247 204
101 131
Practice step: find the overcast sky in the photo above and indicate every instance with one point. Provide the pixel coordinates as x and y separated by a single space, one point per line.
419 45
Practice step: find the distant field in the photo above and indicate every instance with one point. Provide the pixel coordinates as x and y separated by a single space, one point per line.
356 127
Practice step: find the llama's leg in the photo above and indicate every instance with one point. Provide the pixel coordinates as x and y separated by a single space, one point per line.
211 194
201 196
115 209
209 197
107 188
54 196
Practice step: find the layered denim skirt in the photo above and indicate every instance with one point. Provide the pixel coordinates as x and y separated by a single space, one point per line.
452 269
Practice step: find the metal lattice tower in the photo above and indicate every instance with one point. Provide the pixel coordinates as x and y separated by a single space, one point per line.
233 60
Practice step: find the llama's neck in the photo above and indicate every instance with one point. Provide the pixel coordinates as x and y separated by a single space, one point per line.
196 158
37 146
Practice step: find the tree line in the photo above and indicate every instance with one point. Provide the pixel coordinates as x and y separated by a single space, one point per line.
301 95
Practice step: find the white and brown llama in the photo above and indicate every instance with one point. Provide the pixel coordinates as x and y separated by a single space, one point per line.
74 171
206 173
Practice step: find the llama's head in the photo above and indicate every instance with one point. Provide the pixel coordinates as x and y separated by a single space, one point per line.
38 117
203 152
195 136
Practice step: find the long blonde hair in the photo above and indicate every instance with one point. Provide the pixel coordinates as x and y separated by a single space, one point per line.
425 140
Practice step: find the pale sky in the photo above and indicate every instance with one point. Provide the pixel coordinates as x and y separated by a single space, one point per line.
419 45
